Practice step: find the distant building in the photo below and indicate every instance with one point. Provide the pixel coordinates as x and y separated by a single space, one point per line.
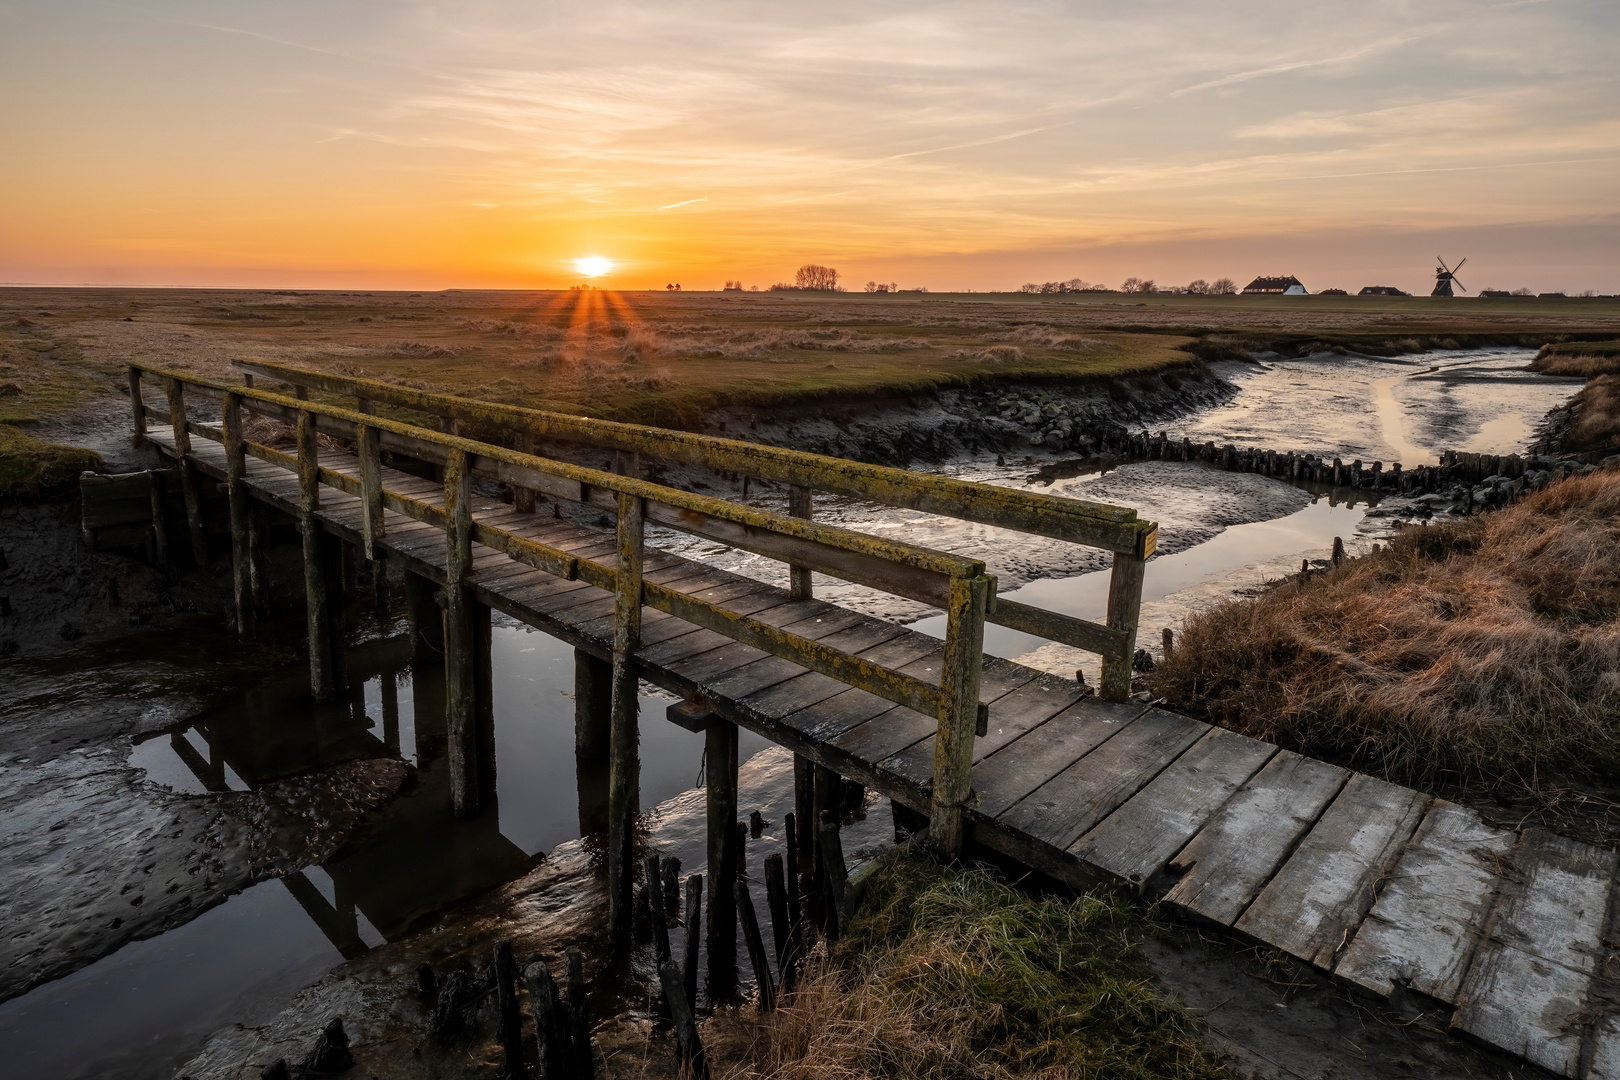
1275 286
1383 290
1495 294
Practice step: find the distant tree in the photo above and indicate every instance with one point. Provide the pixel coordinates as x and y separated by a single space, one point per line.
871 286
1523 292
1137 285
816 276
1198 287
733 286
1223 287
1076 285
1029 286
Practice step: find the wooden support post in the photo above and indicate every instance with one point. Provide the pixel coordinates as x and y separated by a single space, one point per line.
579 1016
258 572
388 689
593 708
379 584
322 683
694 934
681 1013
795 916
137 408
800 506
624 764
460 647
1124 609
804 806
369 452
655 899
828 786
188 475
1169 642
756 946
483 696
837 875
721 773
160 527
782 928
550 1022
335 555
510 1030
236 490
959 712
523 497
426 618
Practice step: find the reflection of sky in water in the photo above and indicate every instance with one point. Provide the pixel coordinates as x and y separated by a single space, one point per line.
1385 410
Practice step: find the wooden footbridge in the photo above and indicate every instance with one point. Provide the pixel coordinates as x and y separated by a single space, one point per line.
1388 889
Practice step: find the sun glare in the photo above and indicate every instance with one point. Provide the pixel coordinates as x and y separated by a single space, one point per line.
593 265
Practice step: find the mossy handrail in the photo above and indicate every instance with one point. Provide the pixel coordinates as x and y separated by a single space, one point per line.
1112 528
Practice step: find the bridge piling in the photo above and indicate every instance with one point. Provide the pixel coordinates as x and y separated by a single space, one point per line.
236 489
322 684
426 619
461 639
721 774
624 764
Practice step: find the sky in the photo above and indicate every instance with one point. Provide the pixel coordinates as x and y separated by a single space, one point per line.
492 143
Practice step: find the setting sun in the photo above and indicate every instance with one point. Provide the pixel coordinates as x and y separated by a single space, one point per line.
593 265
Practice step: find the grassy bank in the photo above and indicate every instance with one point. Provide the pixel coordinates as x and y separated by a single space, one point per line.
30 467
1478 654
1595 410
951 974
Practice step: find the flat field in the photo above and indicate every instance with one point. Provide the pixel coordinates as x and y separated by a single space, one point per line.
669 358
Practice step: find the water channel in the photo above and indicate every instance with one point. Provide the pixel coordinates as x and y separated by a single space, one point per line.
146 1007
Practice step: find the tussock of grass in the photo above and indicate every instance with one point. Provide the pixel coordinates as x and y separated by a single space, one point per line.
1484 653
950 974
1581 359
30 467
1596 416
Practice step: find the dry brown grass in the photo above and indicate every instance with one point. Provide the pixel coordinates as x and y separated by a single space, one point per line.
1596 423
951 975
1579 359
1483 654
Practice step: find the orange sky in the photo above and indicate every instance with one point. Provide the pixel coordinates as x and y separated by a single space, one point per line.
370 144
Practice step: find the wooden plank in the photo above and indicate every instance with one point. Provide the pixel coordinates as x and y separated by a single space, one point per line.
813 688
1138 839
771 670
1054 626
1015 770
1031 703
1527 989
1320 895
1218 874
1431 910
1070 804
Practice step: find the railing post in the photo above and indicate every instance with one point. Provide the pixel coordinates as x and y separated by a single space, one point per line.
624 765
322 677
1124 612
522 497
368 450
799 506
137 406
460 662
188 476
959 712
236 489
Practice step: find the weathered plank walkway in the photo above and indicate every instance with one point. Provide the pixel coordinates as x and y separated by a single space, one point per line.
1386 888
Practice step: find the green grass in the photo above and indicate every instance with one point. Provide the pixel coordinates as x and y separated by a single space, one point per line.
30 468
949 974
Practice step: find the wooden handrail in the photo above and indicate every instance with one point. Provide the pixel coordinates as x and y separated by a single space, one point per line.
1113 528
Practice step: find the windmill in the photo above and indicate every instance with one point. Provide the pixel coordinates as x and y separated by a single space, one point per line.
1445 277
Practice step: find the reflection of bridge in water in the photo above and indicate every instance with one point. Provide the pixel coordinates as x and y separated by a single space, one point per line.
1386 888
414 856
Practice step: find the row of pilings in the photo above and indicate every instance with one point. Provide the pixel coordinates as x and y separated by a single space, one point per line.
1455 468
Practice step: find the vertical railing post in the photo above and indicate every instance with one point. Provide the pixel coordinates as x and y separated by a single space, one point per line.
137 406
460 661
624 764
236 490
1124 612
188 476
799 506
523 497
368 450
959 711
322 677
